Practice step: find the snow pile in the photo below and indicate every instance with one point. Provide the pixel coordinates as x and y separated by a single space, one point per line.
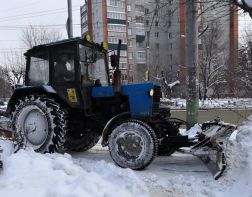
239 174
179 103
191 133
27 173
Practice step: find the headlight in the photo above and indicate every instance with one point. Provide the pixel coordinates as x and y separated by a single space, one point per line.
151 92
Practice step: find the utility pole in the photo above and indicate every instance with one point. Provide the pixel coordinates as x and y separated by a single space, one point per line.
192 62
70 19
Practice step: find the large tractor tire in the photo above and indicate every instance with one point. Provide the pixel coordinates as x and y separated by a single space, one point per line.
83 142
133 144
39 122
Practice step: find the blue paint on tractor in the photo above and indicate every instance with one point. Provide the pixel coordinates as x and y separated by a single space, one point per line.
101 92
140 100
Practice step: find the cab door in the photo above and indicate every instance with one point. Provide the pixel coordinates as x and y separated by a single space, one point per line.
64 68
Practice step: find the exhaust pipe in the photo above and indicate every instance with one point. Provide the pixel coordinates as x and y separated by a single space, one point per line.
115 62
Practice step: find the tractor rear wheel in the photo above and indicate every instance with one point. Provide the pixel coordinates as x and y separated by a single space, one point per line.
83 142
83 133
39 122
133 144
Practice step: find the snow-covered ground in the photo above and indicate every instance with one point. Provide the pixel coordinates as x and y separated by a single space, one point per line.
93 173
178 103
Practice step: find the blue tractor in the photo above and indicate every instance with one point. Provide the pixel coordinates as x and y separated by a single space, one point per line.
68 102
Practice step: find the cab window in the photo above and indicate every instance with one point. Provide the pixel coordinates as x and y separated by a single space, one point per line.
38 73
63 64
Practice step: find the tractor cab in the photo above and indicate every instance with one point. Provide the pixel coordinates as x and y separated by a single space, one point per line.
71 67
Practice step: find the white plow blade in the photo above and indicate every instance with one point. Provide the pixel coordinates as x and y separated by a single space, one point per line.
211 150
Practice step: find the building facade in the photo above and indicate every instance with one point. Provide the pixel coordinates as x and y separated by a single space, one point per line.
153 34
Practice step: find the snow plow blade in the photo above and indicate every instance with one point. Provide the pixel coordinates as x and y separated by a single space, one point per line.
212 144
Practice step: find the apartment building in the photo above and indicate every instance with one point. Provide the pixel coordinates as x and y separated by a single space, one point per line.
153 33
106 21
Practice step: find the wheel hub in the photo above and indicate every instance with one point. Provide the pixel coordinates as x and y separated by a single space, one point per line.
35 126
130 145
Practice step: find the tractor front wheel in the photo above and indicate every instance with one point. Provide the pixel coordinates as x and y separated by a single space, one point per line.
133 144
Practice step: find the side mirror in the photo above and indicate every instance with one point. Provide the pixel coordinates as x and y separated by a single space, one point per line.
114 61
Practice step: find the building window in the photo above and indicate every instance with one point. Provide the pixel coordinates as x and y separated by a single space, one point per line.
124 77
123 53
130 55
156 12
129 19
116 3
156 34
140 55
116 28
139 8
114 40
123 65
140 29
117 15
129 32
139 19
156 23
146 11
129 8
169 23
130 43
147 23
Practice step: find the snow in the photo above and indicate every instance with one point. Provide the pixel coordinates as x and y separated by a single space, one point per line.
191 133
27 173
179 103
93 173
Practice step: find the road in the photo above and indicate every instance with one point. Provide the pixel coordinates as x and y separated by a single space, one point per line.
164 176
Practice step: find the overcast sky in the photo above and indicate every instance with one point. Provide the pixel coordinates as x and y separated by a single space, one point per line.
16 14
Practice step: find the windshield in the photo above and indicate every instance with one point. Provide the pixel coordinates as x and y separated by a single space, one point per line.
93 68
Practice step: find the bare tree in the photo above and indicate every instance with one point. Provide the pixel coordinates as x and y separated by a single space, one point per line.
245 63
14 68
14 65
5 89
212 61
36 35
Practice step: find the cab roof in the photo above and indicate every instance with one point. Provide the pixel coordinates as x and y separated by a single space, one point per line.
62 42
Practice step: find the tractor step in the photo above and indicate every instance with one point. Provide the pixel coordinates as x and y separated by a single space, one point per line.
176 141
